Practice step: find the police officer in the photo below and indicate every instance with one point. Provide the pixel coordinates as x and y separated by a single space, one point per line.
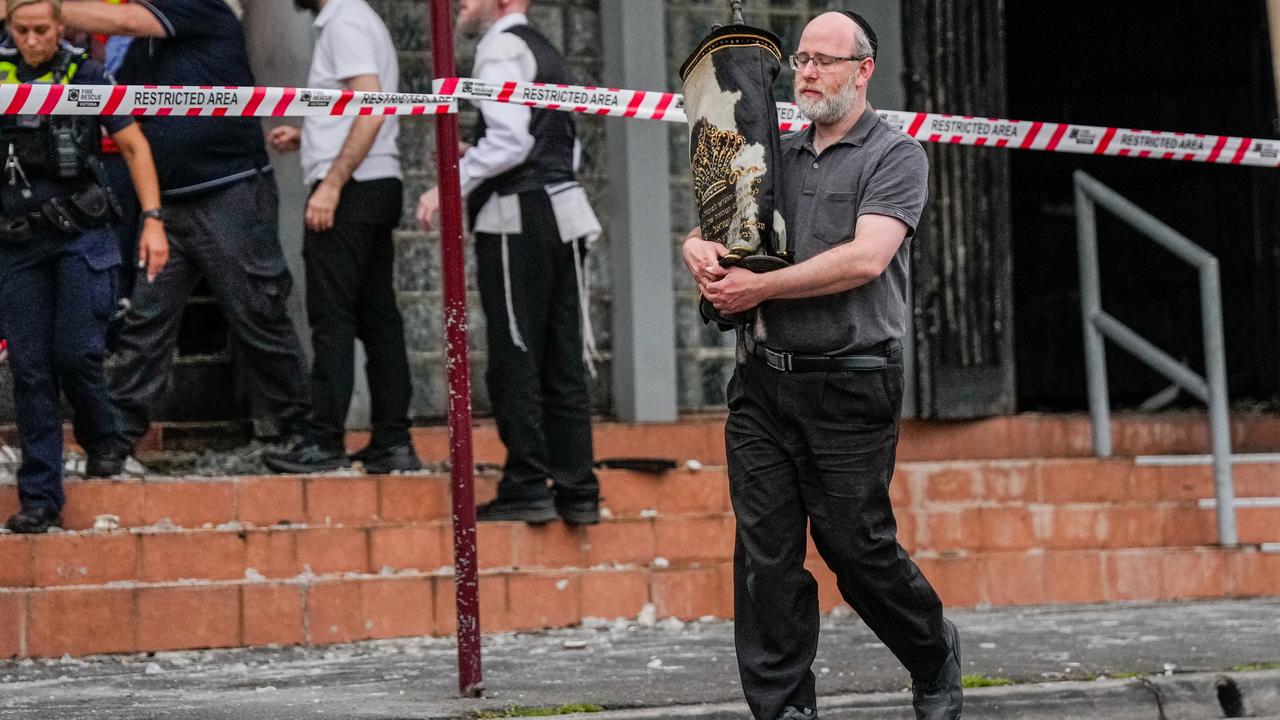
58 258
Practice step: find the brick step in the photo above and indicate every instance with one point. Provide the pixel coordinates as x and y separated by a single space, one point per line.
358 500
700 436
351 499
143 617
1028 435
235 552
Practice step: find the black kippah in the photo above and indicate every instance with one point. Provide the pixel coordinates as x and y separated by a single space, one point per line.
866 29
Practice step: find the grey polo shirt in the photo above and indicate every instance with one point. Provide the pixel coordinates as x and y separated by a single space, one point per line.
874 169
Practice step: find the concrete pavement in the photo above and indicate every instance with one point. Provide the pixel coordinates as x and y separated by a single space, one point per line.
1185 660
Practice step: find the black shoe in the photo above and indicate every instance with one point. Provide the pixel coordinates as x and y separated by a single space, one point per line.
107 460
578 511
792 712
34 521
307 456
533 510
943 697
380 461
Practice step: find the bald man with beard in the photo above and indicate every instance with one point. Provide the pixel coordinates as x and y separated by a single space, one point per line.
814 408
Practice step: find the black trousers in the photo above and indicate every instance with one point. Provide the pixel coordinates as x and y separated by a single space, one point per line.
818 449
228 236
536 378
350 295
56 295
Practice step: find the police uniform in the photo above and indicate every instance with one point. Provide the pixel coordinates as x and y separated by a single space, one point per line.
58 257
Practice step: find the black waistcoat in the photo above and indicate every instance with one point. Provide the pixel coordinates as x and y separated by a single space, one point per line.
551 160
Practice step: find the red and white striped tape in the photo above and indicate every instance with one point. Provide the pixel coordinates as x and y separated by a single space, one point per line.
193 101
925 127
213 101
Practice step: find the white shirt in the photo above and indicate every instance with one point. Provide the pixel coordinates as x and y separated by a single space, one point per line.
351 40
507 142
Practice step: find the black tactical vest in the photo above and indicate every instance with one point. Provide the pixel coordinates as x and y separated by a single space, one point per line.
51 147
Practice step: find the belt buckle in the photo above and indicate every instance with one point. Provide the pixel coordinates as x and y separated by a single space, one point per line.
779 361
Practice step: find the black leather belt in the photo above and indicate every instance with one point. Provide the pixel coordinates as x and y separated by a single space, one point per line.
872 358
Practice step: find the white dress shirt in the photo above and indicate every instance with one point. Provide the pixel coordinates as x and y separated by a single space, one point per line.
351 40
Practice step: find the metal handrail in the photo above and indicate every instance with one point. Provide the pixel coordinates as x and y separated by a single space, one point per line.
1098 325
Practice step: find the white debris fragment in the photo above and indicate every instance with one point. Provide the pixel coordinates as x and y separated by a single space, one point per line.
1169 668
987 645
575 644
654 664
606 513
841 611
154 669
692 464
562 585
672 625
661 562
106 522
252 575
649 513
648 616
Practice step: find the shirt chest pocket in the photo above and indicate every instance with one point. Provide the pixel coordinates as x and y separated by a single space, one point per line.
834 216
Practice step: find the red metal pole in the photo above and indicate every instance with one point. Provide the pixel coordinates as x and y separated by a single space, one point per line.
466 573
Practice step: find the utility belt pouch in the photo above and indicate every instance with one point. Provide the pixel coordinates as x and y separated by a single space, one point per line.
73 214
61 215
16 231
95 205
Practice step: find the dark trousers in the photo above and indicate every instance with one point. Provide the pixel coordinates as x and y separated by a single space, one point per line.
350 295
55 302
818 448
229 237
538 391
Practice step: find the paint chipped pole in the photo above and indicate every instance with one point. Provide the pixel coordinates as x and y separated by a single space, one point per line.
466 575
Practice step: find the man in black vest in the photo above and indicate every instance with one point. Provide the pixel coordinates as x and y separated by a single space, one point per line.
532 223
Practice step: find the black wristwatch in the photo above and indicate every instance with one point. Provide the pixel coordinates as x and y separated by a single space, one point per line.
156 213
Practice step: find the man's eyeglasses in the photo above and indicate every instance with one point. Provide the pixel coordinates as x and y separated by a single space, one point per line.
823 62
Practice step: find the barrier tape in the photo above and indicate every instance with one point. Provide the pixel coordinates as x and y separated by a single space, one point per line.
210 101
925 127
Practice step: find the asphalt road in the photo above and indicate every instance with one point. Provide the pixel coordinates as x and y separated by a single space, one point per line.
643 670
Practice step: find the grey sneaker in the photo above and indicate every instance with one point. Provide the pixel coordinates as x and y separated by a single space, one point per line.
792 712
943 697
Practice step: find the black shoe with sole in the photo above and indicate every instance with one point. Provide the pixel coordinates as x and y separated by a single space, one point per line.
533 510
578 511
792 712
34 521
308 456
380 461
943 697
107 460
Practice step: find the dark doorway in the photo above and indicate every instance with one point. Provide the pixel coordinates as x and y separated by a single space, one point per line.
1183 65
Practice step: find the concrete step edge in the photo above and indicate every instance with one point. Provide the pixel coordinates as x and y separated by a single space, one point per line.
1192 695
